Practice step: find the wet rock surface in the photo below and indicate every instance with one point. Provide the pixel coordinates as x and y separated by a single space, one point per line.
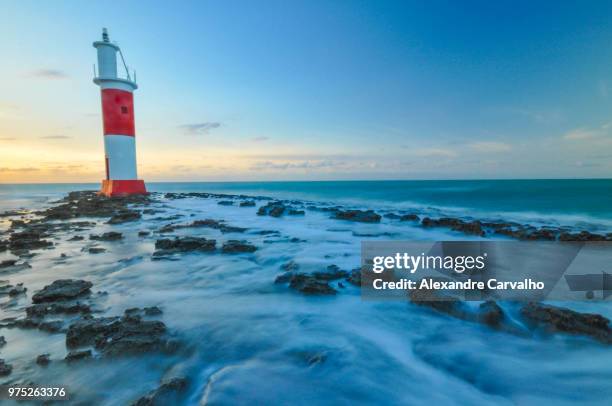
43 359
109 236
310 285
177 245
236 247
557 319
5 369
166 394
467 227
62 289
273 209
114 336
73 356
207 223
361 216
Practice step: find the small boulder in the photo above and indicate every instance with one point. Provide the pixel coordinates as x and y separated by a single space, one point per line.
236 247
361 216
62 289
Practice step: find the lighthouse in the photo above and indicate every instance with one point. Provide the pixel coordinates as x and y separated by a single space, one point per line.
118 122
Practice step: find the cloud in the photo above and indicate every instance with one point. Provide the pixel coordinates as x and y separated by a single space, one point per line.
51 74
267 165
490 146
55 137
200 128
433 152
580 134
7 138
260 139
26 169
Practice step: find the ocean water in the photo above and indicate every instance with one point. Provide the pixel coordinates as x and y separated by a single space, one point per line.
583 202
246 340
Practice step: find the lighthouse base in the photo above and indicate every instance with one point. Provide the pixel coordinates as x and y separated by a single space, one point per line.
112 188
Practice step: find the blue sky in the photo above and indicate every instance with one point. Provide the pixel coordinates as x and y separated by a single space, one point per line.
233 90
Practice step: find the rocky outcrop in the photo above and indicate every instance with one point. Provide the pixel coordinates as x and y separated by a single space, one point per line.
225 203
62 289
28 240
178 245
124 216
45 309
467 227
236 247
109 236
558 319
43 359
310 285
5 369
118 335
361 216
273 209
167 393
73 356
247 203
207 223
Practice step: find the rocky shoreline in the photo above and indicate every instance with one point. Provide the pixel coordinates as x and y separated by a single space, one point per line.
70 307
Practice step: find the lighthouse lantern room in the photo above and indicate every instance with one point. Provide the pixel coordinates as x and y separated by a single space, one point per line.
118 122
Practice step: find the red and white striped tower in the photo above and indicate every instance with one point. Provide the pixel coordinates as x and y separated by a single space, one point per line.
118 118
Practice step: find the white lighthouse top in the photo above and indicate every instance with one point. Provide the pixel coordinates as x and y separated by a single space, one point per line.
107 65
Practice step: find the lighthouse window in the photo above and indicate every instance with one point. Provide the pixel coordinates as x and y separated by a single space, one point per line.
124 109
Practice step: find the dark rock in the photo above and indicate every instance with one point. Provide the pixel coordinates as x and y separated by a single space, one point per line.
143 233
147 311
247 203
118 335
2 341
44 309
368 216
490 314
7 263
582 236
295 212
77 238
183 244
225 203
467 227
284 278
236 246
217 225
109 236
310 285
290 266
273 209
96 250
392 216
62 289
43 359
124 217
545 234
168 393
78 355
28 240
332 272
17 290
409 217
558 319
5 369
